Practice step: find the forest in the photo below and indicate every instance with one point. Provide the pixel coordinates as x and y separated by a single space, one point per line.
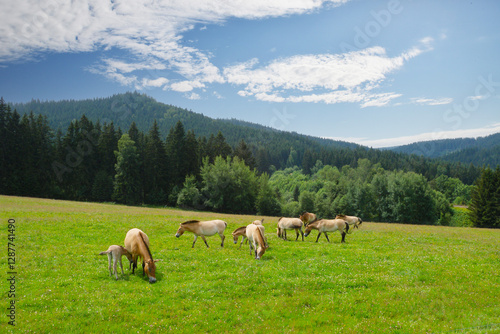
94 161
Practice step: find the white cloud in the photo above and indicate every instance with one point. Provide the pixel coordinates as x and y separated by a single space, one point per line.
431 102
151 32
436 135
348 77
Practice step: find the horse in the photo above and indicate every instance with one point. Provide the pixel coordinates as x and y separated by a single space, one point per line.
115 253
307 217
351 220
289 224
137 244
255 235
325 225
203 228
240 231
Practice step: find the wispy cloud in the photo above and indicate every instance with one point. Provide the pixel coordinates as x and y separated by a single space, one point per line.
151 31
157 56
431 102
348 77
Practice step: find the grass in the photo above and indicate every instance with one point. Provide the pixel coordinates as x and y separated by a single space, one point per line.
387 278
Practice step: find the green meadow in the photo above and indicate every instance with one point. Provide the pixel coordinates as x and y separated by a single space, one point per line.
387 278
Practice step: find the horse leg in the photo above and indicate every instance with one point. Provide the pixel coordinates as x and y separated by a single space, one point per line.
121 265
109 264
222 237
143 265
302 233
297 234
319 233
326 235
114 267
195 238
203 237
343 236
284 231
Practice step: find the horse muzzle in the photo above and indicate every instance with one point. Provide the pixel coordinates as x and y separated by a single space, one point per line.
177 235
152 280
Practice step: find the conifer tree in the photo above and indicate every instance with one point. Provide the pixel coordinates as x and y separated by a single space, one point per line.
127 179
485 202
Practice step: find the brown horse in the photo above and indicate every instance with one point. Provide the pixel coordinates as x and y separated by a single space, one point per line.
255 235
307 217
324 225
137 244
240 231
351 220
289 224
204 228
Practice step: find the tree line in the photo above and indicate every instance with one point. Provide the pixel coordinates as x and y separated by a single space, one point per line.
91 161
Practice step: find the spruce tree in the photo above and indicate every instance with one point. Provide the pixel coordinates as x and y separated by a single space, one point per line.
127 179
485 202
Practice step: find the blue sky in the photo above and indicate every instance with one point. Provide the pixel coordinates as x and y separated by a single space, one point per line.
378 73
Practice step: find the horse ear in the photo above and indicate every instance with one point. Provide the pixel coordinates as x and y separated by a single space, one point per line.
262 220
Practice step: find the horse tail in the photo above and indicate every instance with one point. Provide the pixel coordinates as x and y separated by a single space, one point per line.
104 253
346 227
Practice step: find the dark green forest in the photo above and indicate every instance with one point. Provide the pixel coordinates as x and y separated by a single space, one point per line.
223 166
480 151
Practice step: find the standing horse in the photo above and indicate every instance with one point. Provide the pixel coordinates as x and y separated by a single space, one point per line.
324 225
240 231
289 224
255 235
307 217
137 244
351 220
205 228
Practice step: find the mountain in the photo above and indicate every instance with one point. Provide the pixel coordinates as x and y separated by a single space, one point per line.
270 147
481 151
123 109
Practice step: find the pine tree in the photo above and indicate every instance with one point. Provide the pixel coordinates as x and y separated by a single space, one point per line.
243 152
155 168
485 202
127 179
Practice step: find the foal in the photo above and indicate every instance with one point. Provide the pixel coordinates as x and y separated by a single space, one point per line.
115 253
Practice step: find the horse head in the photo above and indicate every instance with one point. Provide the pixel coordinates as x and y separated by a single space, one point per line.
180 231
150 270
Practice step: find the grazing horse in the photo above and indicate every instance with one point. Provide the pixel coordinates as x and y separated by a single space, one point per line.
324 225
205 228
289 224
307 217
240 231
255 235
137 244
351 220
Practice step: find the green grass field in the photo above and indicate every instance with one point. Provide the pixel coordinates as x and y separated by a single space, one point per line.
387 278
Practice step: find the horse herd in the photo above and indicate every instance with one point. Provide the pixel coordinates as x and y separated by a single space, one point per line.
137 242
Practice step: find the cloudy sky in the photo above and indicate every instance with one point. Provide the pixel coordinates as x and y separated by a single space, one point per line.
378 73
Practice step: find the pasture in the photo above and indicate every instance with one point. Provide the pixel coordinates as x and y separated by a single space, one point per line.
386 278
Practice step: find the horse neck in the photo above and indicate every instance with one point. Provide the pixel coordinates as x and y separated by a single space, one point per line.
144 249
259 237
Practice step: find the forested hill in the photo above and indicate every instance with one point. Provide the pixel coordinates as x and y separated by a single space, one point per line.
273 149
123 109
480 151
